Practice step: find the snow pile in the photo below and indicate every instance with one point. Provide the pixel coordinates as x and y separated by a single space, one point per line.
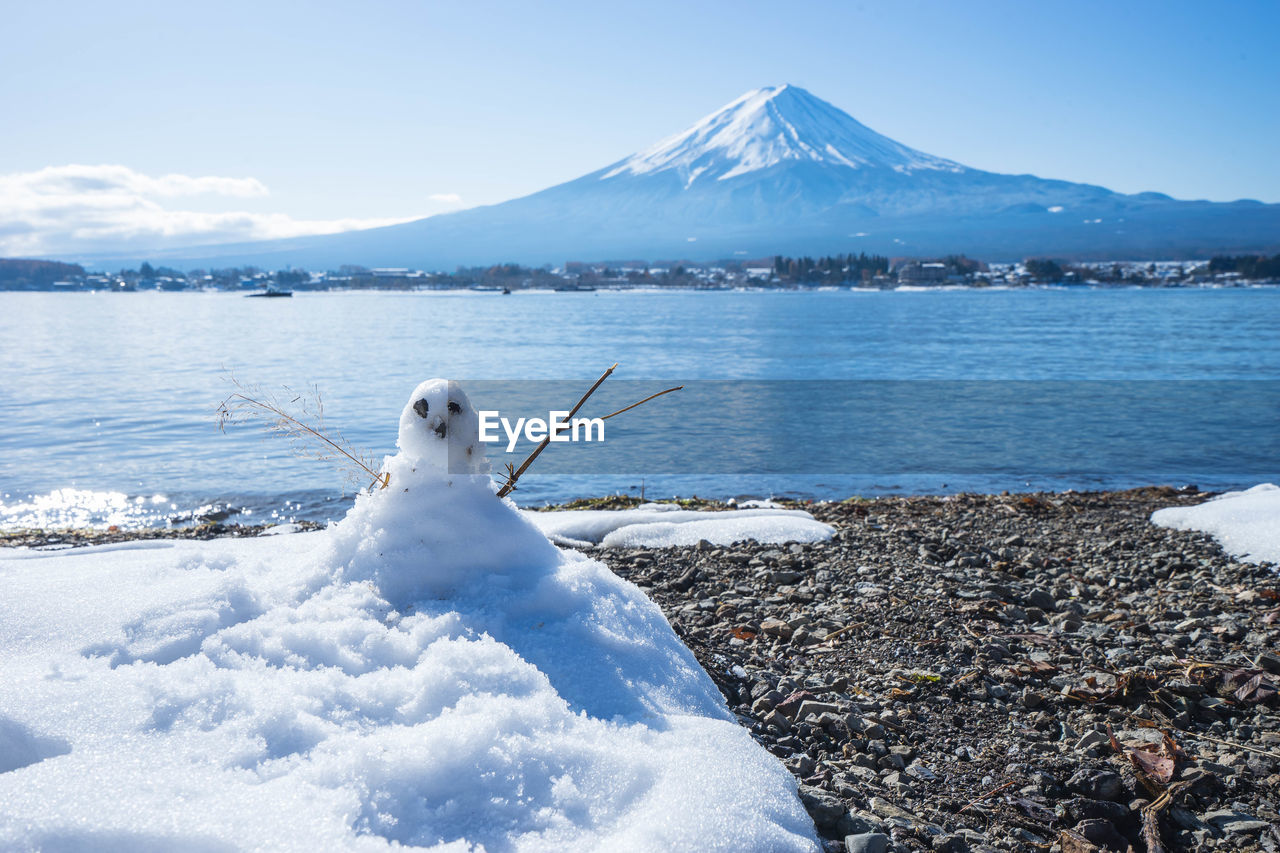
666 525
1246 524
769 126
431 672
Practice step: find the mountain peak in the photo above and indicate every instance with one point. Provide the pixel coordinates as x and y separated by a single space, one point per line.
767 127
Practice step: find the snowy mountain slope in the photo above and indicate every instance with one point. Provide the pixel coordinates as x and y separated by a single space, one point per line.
779 170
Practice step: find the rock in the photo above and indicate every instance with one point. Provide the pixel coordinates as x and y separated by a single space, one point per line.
1216 769
1232 822
686 580
897 784
1044 600
887 810
921 772
792 703
859 823
825 809
872 730
866 842
1092 740
1080 808
1184 818
800 765
777 628
766 703
813 708
901 817
1097 784
1046 784
1103 833
865 774
778 721
949 844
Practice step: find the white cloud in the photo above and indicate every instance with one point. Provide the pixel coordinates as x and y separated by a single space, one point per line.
448 198
110 208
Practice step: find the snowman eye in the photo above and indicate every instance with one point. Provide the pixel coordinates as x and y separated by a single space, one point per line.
421 408
454 408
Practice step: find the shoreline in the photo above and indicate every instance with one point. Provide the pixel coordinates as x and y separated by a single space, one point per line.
806 287
948 671
74 537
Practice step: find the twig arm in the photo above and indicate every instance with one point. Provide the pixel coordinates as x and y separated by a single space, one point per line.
510 485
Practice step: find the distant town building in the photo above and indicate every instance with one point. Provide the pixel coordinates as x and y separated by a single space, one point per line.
918 273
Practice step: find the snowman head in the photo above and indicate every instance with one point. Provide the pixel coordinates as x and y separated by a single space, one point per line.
440 431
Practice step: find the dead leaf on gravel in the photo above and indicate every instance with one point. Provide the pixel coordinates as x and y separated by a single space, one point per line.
1158 767
1250 686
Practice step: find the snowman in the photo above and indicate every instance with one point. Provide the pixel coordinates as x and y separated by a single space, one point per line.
438 529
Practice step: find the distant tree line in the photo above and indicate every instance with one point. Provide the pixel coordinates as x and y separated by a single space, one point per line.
17 274
1248 266
964 265
833 268
292 278
146 271
1044 269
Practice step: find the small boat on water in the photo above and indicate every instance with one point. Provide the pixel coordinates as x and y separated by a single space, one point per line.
270 293
575 288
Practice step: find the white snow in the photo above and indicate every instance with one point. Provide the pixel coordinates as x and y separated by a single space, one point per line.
430 671
1246 524
768 126
666 525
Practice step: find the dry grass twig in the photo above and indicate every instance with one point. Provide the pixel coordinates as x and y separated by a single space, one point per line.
301 420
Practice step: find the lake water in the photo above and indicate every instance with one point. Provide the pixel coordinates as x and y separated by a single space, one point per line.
107 400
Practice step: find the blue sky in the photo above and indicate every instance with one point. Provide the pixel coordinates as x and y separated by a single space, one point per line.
319 115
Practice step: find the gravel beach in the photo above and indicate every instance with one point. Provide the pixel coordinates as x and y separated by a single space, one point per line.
1014 672
986 672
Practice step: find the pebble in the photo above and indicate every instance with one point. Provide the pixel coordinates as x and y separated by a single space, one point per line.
866 842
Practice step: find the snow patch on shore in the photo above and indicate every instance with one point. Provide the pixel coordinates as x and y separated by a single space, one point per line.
667 526
1246 524
430 671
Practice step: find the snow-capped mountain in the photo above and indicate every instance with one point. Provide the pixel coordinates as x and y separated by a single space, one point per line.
779 170
770 127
